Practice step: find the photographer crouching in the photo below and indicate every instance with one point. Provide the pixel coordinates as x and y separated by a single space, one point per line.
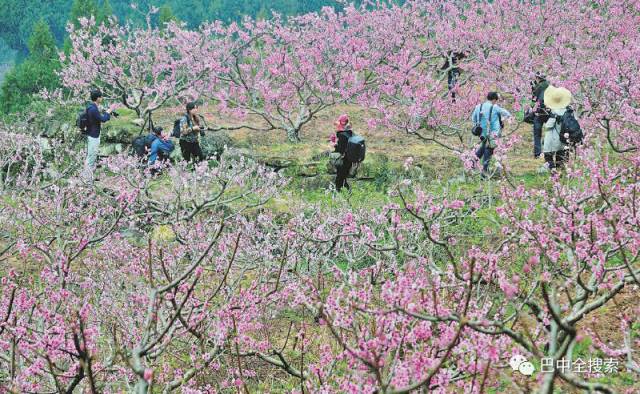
95 118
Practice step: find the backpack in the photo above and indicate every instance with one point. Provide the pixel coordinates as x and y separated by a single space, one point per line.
356 149
82 121
570 130
177 130
139 146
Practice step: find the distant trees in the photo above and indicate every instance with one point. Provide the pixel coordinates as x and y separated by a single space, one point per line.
17 17
36 73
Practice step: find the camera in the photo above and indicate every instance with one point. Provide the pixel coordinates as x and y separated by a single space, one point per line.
115 114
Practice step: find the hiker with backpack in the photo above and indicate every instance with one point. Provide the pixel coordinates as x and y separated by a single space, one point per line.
350 149
487 119
538 114
188 129
90 123
562 129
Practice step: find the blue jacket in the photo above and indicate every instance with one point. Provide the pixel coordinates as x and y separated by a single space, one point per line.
495 117
96 118
159 146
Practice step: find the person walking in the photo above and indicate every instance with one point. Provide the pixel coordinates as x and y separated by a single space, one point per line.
191 129
343 165
95 118
540 112
557 100
489 116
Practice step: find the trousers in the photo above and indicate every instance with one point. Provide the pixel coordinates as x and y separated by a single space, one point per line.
191 151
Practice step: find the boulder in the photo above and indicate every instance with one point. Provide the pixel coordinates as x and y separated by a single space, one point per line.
44 143
119 133
110 149
214 143
308 170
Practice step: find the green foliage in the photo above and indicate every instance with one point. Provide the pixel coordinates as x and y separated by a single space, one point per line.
42 45
36 73
18 16
83 9
106 11
166 15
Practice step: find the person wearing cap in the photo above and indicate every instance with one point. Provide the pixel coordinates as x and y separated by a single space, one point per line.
489 116
343 133
161 146
95 118
540 114
189 137
557 100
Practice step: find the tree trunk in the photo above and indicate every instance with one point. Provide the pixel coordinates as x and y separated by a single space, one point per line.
293 135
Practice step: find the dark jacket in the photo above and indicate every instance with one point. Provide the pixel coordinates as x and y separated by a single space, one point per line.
343 139
451 60
537 93
96 118
188 134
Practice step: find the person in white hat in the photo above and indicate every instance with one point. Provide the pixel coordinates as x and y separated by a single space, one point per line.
555 152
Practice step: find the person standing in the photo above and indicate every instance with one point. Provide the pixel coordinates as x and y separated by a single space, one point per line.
343 133
489 116
557 100
453 71
191 129
540 112
95 118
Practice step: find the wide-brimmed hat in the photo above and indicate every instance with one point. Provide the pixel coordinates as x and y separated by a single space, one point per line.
557 98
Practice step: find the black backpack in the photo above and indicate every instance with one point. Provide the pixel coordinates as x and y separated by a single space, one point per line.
570 130
82 121
356 149
176 128
139 146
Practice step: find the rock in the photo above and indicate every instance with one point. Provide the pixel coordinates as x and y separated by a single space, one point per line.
138 122
276 162
120 133
44 143
214 143
108 149
320 156
308 170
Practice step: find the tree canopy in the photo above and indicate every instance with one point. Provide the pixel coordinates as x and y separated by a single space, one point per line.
17 17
